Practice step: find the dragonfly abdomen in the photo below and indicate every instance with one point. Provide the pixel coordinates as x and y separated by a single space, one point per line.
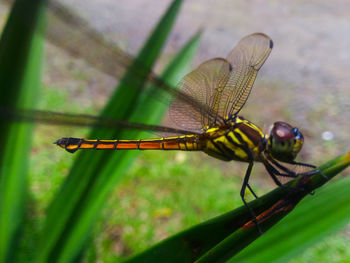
185 143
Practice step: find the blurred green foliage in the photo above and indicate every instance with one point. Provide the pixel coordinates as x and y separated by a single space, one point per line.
163 193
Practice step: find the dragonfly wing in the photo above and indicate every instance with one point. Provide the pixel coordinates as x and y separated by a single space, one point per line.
221 86
195 110
107 57
83 120
201 85
246 59
75 35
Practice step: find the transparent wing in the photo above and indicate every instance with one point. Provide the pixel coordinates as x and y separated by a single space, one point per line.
246 59
83 120
222 85
87 43
197 108
205 85
69 31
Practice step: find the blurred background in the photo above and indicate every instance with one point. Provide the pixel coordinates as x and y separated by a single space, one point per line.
305 82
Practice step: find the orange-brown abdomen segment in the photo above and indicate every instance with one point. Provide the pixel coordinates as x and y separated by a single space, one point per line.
185 143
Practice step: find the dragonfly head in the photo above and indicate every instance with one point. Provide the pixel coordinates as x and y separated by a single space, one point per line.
285 141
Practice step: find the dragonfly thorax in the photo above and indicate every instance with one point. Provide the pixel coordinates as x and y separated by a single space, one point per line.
238 139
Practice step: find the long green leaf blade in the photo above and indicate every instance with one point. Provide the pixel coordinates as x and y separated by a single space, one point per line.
282 205
21 52
220 238
317 216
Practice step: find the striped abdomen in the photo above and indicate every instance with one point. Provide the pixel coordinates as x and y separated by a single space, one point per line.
185 143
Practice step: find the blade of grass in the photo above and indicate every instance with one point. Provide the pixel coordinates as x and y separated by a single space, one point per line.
21 52
94 174
220 238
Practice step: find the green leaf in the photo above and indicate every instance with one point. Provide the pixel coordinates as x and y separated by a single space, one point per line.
313 220
95 173
220 238
21 52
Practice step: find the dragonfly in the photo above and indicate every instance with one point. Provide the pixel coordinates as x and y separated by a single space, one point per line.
207 110
205 107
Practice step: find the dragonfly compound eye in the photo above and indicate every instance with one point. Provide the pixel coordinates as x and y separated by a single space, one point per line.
285 141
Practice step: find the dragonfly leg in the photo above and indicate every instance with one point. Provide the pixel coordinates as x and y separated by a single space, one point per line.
251 190
274 173
283 168
311 166
244 186
293 174
289 172
303 164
